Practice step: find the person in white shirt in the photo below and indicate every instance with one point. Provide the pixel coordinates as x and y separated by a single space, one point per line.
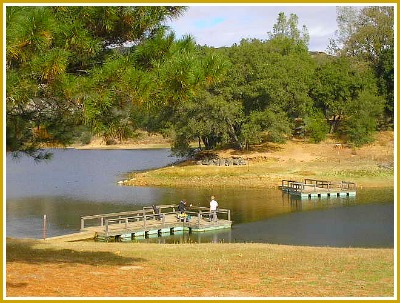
213 208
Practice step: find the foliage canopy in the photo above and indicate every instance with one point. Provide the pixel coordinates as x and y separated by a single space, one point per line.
110 70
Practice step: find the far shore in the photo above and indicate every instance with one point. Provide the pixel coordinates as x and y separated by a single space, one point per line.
267 165
144 141
123 146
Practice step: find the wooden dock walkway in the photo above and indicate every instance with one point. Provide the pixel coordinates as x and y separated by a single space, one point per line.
312 188
147 222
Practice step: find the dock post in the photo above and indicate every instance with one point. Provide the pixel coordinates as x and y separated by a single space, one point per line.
106 227
198 219
144 219
229 214
101 221
82 223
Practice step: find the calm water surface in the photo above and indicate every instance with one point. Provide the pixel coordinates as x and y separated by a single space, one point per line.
84 182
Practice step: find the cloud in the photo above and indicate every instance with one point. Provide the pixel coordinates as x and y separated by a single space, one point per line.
220 25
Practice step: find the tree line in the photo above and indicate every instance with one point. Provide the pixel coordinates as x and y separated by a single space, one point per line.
74 72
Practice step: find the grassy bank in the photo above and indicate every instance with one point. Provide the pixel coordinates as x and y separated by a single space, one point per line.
268 164
65 269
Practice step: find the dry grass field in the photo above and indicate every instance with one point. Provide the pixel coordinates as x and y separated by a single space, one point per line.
37 268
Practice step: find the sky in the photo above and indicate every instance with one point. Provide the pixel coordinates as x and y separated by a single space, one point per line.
224 25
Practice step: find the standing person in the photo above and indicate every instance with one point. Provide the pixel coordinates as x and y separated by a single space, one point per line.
213 208
182 216
157 212
182 206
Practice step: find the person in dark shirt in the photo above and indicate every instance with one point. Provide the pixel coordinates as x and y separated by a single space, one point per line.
182 206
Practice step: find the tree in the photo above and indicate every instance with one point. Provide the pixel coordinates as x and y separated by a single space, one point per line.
288 29
345 91
196 114
373 33
152 84
346 19
385 74
54 63
316 126
367 34
361 122
39 107
209 119
272 121
262 76
271 79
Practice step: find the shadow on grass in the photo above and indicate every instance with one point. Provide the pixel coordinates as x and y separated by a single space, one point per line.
24 251
16 285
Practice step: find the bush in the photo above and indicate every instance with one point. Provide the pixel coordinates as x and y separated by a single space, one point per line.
85 138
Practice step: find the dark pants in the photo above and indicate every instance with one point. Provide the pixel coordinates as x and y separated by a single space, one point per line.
214 215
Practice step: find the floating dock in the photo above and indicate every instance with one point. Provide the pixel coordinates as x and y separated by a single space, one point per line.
148 222
312 188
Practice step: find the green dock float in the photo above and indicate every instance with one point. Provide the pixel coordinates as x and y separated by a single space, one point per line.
165 230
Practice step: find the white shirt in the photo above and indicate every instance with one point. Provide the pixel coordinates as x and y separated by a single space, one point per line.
213 205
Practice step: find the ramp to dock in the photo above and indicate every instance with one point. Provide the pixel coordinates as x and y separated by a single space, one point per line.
79 236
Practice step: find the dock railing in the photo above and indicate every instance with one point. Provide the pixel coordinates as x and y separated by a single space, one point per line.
313 185
115 216
295 186
201 212
148 215
343 185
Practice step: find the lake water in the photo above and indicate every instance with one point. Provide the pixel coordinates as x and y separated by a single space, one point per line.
84 182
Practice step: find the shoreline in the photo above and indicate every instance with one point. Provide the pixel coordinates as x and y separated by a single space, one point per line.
160 178
143 141
122 146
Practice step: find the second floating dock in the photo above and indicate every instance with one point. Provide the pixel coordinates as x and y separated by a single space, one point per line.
312 188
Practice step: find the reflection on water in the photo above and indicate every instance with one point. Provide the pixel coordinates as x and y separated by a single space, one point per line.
365 225
337 222
77 183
